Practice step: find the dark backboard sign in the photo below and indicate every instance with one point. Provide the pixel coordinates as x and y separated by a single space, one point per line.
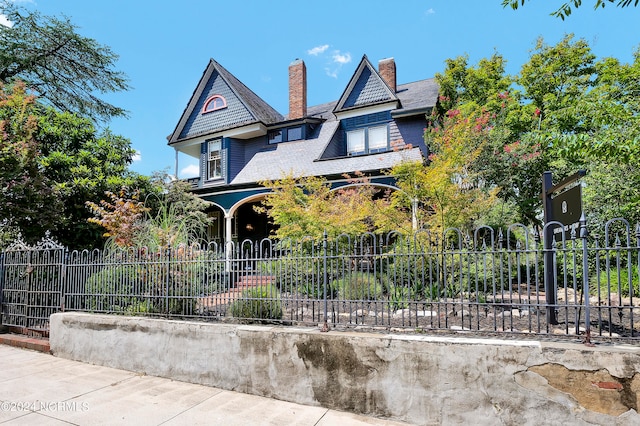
567 207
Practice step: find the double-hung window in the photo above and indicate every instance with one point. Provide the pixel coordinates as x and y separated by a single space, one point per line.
377 138
214 159
367 140
356 142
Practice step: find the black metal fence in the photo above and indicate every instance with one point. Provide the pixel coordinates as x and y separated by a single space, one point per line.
491 281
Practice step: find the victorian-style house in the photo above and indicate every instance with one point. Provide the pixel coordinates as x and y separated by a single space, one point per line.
240 140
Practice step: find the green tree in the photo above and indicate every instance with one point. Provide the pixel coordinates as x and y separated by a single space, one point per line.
555 78
65 69
301 207
81 165
564 111
566 8
448 189
485 90
52 163
27 202
461 84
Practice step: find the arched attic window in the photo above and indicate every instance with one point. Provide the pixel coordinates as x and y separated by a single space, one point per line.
214 103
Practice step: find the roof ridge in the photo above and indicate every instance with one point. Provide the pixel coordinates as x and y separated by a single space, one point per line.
248 97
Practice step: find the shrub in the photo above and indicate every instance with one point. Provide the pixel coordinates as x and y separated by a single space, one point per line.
262 302
358 286
620 286
112 289
155 283
411 266
399 297
297 274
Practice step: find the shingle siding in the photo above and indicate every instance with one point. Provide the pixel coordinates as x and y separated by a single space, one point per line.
234 113
367 90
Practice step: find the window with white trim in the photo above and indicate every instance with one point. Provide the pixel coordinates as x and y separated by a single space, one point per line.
355 142
378 138
214 103
214 159
368 140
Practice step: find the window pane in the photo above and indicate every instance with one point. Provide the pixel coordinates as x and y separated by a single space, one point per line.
378 138
214 148
355 141
294 134
214 165
275 136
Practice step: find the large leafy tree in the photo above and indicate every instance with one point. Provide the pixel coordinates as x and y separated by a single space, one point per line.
307 207
82 164
52 163
505 161
27 201
564 111
65 69
447 189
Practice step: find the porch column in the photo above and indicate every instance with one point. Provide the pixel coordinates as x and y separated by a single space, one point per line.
228 229
228 246
176 170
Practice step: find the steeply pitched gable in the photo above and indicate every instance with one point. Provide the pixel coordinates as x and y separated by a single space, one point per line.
366 87
243 106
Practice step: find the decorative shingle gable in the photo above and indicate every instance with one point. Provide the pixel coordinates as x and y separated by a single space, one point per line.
243 106
365 88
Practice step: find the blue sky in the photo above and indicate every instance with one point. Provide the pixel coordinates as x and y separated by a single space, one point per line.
164 46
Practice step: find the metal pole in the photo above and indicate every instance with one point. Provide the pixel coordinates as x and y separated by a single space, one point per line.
167 281
549 288
325 326
585 278
414 214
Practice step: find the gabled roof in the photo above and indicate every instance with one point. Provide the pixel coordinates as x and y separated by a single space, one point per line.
366 87
243 106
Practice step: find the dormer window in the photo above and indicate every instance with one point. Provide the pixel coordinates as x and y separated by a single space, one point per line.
287 134
368 140
214 103
367 134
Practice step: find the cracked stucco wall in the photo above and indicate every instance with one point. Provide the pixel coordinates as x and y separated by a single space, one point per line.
415 378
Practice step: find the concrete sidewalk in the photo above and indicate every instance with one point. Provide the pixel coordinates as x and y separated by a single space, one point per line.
37 388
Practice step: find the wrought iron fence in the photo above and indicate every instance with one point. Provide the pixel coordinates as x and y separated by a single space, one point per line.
491 281
31 284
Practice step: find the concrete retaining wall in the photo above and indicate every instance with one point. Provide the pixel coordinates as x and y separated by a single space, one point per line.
417 379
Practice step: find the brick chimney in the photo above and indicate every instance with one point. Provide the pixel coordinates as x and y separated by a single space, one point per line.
387 70
297 89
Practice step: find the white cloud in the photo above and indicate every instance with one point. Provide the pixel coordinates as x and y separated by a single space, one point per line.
192 170
318 50
137 156
430 12
331 72
340 58
5 22
334 60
